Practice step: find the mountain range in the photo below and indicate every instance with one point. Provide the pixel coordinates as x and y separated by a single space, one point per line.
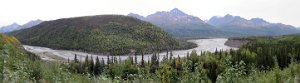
15 26
182 25
252 27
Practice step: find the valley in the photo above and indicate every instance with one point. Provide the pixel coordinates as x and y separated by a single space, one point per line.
150 41
204 45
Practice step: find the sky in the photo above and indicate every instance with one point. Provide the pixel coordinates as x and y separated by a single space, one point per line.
275 11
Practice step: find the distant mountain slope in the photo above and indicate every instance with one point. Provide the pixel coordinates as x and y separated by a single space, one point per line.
9 28
182 25
136 16
114 34
31 24
252 27
15 26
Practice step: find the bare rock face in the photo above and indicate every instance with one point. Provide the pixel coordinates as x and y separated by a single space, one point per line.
236 42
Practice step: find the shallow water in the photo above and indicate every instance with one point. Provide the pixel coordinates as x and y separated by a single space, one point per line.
62 55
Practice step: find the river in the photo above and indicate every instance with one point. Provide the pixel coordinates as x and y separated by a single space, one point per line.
63 55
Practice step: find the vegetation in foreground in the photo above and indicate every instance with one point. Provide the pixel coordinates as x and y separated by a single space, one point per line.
265 60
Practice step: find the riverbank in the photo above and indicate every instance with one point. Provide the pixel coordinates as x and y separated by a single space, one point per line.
58 55
236 42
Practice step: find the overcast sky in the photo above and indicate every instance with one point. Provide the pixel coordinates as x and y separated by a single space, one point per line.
22 11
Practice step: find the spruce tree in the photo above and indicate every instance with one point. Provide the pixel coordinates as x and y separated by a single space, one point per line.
154 64
115 60
97 68
167 55
75 59
135 58
102 65
91 65
108 60
171 55
194 59
86 64
142 61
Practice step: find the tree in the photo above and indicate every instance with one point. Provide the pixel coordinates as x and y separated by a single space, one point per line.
115 60
86 65
212 73
154 63
75 59
167 55
194 59
129 71
142 62
166 72
178 64
91 65
108 60
97 68
102 65
135 58
171 55
216 51
188 55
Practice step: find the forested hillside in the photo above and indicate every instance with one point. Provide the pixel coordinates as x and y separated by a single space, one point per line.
114 34
263 60
15 64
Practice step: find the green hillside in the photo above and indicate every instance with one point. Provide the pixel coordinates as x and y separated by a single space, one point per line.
14 61
114 34
263 60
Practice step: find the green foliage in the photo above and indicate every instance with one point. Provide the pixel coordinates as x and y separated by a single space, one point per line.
165 73
154 63
34 71
194 61
114 34
264 60
130 71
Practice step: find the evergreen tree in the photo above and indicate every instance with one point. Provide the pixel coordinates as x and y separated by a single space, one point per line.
178 64
212 73
135 58
120 59
115 60
148 61
76 59
194 59
154 63
112 60
108 60
188 55
131 60
86 64
68 60
102 65
97 68
167 55
216 51
171 55
165 71
142 62
91 65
